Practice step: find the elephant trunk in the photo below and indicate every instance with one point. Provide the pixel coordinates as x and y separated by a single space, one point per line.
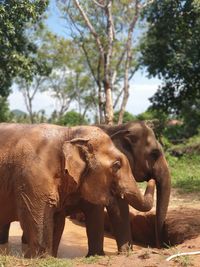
163 186
138 201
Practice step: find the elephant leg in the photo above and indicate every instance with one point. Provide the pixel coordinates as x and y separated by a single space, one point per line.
4 233
118 213
36 219
59 224
24 243
94 220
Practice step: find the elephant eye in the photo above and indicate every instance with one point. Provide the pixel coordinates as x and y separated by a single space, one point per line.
116 166
155 153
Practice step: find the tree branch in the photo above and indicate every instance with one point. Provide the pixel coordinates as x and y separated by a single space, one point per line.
91 28
98 4
127 62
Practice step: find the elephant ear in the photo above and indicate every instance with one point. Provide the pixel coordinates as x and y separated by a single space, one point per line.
126 135
74 161
119 134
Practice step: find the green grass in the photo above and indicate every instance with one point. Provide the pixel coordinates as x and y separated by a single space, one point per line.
10 261
185 172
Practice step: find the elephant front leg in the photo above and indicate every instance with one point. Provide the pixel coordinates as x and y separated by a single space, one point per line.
36 219
94 220
59 224
118 213
4 233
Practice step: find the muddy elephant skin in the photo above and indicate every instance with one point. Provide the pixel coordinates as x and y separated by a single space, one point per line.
46 168
146 157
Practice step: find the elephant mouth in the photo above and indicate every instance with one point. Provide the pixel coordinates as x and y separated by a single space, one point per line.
148 176
144 178
115 190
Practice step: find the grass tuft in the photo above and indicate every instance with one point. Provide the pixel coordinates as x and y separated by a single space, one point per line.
185 172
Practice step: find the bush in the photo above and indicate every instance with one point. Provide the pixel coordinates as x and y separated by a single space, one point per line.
127 117
185 172
72 118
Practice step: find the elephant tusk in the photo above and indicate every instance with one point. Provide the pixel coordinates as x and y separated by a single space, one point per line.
122 196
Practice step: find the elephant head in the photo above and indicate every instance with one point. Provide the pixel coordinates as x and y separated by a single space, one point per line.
138 142
100 171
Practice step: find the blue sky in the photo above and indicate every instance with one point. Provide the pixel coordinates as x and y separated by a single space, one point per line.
141 88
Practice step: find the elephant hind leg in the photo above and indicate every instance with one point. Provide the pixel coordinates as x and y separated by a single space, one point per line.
4 233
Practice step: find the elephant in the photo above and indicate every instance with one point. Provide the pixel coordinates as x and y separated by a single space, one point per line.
46 169
147 160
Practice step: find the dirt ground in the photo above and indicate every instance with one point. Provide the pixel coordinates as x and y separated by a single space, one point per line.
182 234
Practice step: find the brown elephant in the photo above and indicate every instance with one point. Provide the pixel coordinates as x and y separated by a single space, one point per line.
146 157
46 168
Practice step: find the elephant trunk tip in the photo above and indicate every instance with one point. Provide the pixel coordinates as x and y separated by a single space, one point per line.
141 202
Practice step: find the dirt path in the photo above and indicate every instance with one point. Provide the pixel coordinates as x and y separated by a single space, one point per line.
74 242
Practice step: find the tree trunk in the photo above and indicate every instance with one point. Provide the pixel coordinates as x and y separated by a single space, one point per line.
109 104
128 61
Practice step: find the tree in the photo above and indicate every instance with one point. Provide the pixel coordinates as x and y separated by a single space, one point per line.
171 51
104 32
37 79
126 118
69 81
29 89
17 50
72 118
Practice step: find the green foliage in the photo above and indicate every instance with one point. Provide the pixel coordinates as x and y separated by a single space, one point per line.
72 118
171 50
70 79
155 119
127 117
190 146
185 172
19 116
184 161
107 60
190 122
10 261
191 115
175 133
4 110
16 48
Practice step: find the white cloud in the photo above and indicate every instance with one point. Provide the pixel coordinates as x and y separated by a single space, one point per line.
41 101
139 97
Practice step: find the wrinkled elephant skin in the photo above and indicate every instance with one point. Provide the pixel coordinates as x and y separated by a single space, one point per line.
46 169
146 157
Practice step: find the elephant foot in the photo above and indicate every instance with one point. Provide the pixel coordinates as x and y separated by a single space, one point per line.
125 249
36 253
4 249
24 248
90 254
